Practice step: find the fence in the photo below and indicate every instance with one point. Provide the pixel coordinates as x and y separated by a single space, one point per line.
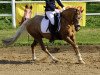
13 2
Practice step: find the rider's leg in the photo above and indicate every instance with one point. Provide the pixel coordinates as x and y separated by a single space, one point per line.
50 15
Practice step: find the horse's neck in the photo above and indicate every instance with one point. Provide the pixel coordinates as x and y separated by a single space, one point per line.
65 26
63 22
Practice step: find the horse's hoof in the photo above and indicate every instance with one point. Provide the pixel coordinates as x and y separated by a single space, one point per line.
81 62
55 60
34 59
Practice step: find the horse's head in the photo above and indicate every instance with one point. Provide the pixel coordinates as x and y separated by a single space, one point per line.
72 17
28 11
76 19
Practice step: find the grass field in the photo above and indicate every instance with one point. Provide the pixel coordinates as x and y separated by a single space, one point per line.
90 34
86 36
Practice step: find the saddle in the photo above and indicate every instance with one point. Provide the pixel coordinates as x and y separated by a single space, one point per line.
47 27
55 26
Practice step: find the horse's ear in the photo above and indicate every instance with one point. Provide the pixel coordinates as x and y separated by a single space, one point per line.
26 6
82 10
31 7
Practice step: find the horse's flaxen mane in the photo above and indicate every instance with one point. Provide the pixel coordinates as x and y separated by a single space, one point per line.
78 8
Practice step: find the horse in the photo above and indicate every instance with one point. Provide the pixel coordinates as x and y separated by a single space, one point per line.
27 13
69 19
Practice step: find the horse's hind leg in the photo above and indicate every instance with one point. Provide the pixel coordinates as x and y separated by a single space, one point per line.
71 41
46 50
33 51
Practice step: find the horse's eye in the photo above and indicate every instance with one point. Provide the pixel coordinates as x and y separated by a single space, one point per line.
79 16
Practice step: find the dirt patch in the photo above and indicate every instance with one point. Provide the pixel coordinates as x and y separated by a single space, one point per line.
17 61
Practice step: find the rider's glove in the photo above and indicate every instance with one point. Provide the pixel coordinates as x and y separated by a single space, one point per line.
63 8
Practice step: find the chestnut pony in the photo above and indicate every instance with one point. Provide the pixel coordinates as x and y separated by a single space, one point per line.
69 19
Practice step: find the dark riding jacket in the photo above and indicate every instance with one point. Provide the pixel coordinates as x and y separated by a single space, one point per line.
50 5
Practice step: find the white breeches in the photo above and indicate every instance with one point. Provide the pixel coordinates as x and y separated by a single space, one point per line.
50 15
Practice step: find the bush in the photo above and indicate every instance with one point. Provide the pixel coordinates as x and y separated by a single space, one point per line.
5 23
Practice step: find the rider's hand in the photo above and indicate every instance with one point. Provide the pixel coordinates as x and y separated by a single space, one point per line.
63 8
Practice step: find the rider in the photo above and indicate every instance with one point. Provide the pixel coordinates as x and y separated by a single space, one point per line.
50 11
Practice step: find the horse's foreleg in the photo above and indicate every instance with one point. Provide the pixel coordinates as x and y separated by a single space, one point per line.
33 51
73 38
46 50
72 42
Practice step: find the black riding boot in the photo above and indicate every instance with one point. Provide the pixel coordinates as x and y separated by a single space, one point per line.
54 29
53 32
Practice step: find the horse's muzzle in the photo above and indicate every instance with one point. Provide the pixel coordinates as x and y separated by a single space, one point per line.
77 27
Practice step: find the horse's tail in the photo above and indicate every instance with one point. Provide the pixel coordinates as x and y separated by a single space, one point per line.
11 40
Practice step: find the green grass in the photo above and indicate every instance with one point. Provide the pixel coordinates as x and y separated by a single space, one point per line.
93 21
90 34
5 23
86 36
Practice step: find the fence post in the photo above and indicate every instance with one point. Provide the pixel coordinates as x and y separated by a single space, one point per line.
13 14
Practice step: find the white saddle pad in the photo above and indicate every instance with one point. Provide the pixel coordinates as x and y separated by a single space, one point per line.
44 26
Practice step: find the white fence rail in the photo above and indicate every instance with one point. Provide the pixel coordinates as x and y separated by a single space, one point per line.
13 11
92 14
13 2
5 14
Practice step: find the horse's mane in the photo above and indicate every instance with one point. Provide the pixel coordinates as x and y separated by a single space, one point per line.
68 15
77 8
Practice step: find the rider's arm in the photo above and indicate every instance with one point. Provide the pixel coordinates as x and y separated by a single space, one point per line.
59 2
